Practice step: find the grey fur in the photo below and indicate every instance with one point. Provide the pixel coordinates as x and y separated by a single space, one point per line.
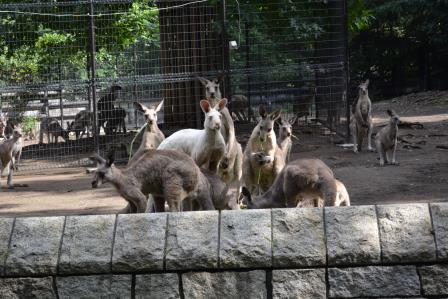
262 161
361 122
298 176
10 151
167 175
53 129
386 140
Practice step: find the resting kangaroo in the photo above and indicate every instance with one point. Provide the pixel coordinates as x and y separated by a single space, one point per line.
386 140
262 161
361 123
313 198
167 175
303 175
152 137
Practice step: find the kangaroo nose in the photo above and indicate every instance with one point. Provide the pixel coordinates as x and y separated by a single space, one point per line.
289 134
217 126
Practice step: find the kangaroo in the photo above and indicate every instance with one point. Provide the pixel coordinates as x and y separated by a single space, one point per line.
10 150
152 137
167 175
386 140
298 176
82 124
361 123
284 141
230 168
53 129
262 161
313 198
207 146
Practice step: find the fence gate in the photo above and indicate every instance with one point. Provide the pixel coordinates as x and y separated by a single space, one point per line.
73 69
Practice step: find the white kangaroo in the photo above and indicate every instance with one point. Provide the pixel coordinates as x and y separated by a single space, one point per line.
207 146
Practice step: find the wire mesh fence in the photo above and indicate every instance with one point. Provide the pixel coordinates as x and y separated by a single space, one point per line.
71 71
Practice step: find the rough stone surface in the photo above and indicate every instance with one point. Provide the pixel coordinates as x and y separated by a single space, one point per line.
406 233
298 237
374 281
192 241
352 235
303 284
27 288
157 286
87 244
251 285
434 280
5 235
139 242
440 221
245 239
34 246
95 286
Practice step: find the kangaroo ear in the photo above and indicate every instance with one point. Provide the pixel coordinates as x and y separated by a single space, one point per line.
159 106
367 82
139 106
205 106
222 104
276 114
203 80
262 111
390 112
110 158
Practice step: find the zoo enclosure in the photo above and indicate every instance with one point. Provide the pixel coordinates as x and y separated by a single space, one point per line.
59 58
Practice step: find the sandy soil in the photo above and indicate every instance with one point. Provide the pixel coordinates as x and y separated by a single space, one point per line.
422 175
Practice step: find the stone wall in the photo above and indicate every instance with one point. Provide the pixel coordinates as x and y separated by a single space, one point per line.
396 251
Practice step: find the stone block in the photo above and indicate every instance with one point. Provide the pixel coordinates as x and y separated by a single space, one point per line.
94 286
139 242
406 233
34 246
298 237
439 213
303 284
434 280
39 288
157 286
352 235
87 244
374 281
245 239
192 241
231 285
5 236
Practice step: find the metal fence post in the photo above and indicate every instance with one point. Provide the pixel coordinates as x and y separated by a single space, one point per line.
347 70
93 75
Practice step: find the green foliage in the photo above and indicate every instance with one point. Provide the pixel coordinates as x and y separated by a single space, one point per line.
28 123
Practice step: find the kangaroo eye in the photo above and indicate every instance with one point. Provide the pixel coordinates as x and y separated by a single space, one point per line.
269 129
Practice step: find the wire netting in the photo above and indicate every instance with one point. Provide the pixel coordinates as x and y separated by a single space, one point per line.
71 71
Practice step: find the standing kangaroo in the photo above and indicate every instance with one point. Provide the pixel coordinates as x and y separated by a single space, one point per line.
284 141
262 161
230 168
303 175
386 140
361 123
152 137
10 150
167 175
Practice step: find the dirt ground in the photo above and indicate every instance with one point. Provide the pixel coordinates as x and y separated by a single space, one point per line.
422 175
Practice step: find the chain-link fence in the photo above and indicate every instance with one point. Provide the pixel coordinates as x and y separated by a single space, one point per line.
70 71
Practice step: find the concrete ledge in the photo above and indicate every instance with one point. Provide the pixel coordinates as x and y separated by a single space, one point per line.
340 252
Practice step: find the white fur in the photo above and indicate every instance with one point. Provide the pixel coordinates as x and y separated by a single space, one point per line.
207 146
